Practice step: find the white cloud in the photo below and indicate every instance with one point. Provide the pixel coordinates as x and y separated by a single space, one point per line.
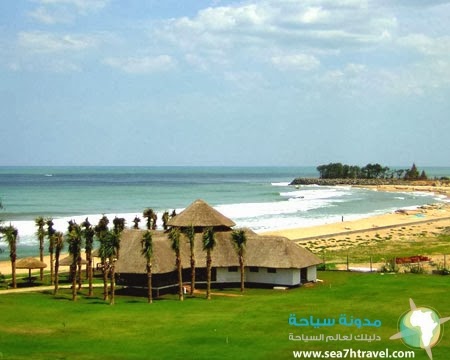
142 65
43 15
45 42
314 14
52 12
303 62
426 45
274 26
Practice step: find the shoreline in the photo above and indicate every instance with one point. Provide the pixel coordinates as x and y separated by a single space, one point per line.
429 219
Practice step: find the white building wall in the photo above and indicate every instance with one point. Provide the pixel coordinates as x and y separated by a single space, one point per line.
288 277
311 273
224 276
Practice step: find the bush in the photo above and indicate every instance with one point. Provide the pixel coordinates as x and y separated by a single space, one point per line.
389 267
324 267
417 269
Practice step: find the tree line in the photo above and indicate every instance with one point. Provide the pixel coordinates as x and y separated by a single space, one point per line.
370 171
82 235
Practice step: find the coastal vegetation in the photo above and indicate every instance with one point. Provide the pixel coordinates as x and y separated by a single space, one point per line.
370 175
370 171
234 326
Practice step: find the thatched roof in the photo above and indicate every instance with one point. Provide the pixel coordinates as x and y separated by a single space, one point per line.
200 214
30 263
67 261
261 251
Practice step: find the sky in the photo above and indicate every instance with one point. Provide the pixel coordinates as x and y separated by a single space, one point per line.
210 82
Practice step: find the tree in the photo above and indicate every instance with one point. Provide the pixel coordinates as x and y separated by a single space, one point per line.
101 231
190 234
149 214
423 175
11 234
209 242
174 237
119 224
147 251
239 239
165 220
412 174
136 221
74 239
109 249
40 223
58 240
88 235
51 245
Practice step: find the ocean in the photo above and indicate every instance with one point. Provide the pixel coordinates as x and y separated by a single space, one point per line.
256 197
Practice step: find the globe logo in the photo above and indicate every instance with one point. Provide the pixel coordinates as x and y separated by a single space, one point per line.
420 328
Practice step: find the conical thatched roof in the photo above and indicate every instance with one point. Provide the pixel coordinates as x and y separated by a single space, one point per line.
200 214
67 261
261 251
30 263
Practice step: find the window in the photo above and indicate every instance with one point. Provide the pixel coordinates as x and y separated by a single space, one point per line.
271 270
232 268
253 269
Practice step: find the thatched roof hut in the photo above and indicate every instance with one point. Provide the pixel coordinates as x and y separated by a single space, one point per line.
67 261
30 263
282 262
261 251
201 215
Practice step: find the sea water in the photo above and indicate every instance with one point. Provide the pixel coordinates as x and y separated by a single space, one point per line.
259 198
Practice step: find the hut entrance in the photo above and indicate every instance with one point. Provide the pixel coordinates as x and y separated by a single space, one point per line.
303 275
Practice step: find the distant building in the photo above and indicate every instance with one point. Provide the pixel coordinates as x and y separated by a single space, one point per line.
269 260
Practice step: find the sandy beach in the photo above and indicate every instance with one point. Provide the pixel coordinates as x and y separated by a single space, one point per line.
429 219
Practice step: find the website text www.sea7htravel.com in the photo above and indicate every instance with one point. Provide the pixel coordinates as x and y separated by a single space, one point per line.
353 354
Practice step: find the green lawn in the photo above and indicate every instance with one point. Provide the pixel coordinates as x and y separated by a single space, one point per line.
253 326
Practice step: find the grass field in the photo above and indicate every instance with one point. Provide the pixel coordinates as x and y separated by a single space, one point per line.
252 326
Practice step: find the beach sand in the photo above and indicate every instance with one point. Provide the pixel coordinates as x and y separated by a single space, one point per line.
428 218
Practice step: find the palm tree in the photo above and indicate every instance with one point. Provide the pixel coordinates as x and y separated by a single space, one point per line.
149 215
40 223
11 235
190 233
101 231
165 220
147 251
136 221
109 249
239 240
209 242
74 240
58 240
51 244
88 235
119 224
174 237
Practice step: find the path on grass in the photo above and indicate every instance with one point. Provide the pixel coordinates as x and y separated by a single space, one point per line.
38 289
